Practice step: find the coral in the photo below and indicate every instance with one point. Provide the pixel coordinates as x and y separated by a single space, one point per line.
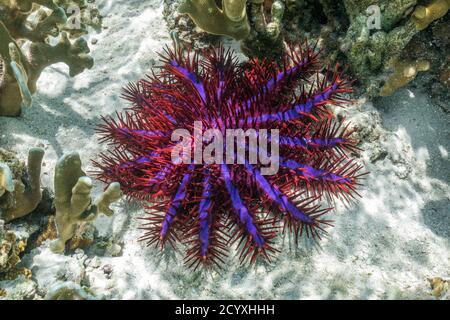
49 232
404 73
370 52
20 68
10 250
210 206
423 16
265 39
231 20
73 202
240 19
6 179
368 35
24 193
68 291
438 286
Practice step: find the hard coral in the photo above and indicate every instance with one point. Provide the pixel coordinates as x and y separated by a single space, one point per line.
73 202
404 73
423 16
231 20
21 193
210 206
20 69
10 249
240 19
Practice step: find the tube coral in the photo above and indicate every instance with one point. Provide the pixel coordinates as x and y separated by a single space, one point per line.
209 205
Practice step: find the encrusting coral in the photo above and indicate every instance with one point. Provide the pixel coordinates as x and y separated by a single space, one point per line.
20 196
423 16
20 69
73 202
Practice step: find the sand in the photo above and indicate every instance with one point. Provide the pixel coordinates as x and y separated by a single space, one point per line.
385 246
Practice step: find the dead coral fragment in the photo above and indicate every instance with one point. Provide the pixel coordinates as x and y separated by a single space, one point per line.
23 194
20 68
404 73
423 16
73 202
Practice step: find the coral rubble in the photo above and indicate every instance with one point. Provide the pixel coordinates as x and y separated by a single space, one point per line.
20 68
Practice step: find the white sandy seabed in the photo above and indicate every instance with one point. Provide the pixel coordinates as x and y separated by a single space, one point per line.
385 246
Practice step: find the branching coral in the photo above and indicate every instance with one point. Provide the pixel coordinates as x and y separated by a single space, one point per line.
73 202
21 69
23 194
423 16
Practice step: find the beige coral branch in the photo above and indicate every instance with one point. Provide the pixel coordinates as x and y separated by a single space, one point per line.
27 196
35 21
404 73
423 16
73 201
231 21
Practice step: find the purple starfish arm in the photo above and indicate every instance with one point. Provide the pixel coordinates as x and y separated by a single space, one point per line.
244 215
310 142
176 203
312 173
277 196
204 209
145 133
191 77
297 111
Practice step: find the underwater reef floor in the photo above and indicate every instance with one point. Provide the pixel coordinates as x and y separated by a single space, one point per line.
386 246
